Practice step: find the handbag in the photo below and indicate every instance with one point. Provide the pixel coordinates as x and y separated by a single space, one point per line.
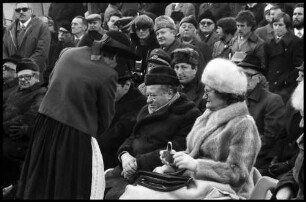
163 182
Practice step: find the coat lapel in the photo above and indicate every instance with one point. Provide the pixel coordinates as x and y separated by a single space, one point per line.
27 32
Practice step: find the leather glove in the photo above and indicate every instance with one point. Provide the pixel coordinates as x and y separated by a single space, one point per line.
276 169
17 131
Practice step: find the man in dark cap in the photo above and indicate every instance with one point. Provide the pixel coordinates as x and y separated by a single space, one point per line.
185 62
65 39
129 101
64 160
267 109
19 111
168 116
10 79
207 29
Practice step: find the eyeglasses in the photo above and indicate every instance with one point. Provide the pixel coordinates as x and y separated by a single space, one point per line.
7 68
21 9
208 91
249 75
206 23
26 77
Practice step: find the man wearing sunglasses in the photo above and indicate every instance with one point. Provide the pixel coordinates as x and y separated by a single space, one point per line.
27 36
19 111
267 109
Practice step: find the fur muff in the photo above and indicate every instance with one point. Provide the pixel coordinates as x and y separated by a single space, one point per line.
164 21
225 77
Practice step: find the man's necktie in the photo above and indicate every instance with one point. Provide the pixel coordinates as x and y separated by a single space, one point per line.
20 34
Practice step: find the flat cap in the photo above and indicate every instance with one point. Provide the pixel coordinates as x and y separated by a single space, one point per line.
93 17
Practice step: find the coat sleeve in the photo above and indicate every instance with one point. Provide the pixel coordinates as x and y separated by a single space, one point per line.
234 170
41 52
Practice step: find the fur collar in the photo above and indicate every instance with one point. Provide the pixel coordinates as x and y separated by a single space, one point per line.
209 122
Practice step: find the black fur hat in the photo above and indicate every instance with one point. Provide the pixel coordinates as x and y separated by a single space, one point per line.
162 75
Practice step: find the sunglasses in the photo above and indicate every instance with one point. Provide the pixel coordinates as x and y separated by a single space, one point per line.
21 9
7 68
26 77
206 23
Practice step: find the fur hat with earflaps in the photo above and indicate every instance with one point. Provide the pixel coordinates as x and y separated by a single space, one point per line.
225 77
164 21
185 55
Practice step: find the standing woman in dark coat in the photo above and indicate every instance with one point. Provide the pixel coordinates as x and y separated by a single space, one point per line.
64 160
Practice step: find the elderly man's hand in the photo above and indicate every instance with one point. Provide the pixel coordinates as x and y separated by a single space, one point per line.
129 165
17 131
183 160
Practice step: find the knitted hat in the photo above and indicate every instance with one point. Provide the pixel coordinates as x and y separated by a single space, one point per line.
116 42
142 21
159 56
66 26
164 21
13 58
225 77
26 63
253 62
207 15
162 76
185 55
190 19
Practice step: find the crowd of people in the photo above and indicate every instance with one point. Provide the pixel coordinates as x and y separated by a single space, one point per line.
94 92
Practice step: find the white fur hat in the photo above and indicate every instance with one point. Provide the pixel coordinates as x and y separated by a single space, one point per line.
225 77
298 97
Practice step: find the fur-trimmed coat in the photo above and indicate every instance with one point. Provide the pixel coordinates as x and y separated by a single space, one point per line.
225 144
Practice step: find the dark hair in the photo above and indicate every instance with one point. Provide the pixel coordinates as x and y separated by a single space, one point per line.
106 52
248 17
299 5
285 16
84 21
228 25
230 98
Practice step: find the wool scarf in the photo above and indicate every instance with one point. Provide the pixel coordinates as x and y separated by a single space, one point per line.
209 122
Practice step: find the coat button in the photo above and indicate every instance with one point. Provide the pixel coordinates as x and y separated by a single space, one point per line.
275 82
277 72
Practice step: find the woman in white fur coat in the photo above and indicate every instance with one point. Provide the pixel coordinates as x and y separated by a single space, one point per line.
221 147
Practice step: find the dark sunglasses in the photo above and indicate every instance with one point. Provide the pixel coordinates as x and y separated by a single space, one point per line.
7 68
21 9
206 23
26 77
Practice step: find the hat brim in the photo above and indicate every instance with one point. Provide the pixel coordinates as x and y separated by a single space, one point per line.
247 65
122 52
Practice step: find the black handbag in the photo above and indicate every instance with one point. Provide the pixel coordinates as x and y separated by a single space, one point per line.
162 182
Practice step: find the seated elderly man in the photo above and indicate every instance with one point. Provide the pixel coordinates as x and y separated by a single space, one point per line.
168 116
185 62
19 112
267 109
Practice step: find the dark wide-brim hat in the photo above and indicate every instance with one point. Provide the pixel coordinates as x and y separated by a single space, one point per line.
162 75
118 43
26 63
13 59
252 62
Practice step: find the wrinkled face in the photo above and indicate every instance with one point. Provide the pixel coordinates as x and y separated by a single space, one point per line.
300 77
243 29
111 23
23 12
185 72
143 33
26 78
187 30
252 77
213 100
64 35
206 26
94 25
165 36
9 71
220 32
157 96
298 17
77 26
279 28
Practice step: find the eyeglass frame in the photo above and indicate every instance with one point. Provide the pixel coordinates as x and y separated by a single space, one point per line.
7 68
203 23
24 9
26 77
249 75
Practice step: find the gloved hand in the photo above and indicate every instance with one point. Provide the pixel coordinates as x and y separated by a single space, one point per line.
278 168
17 131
